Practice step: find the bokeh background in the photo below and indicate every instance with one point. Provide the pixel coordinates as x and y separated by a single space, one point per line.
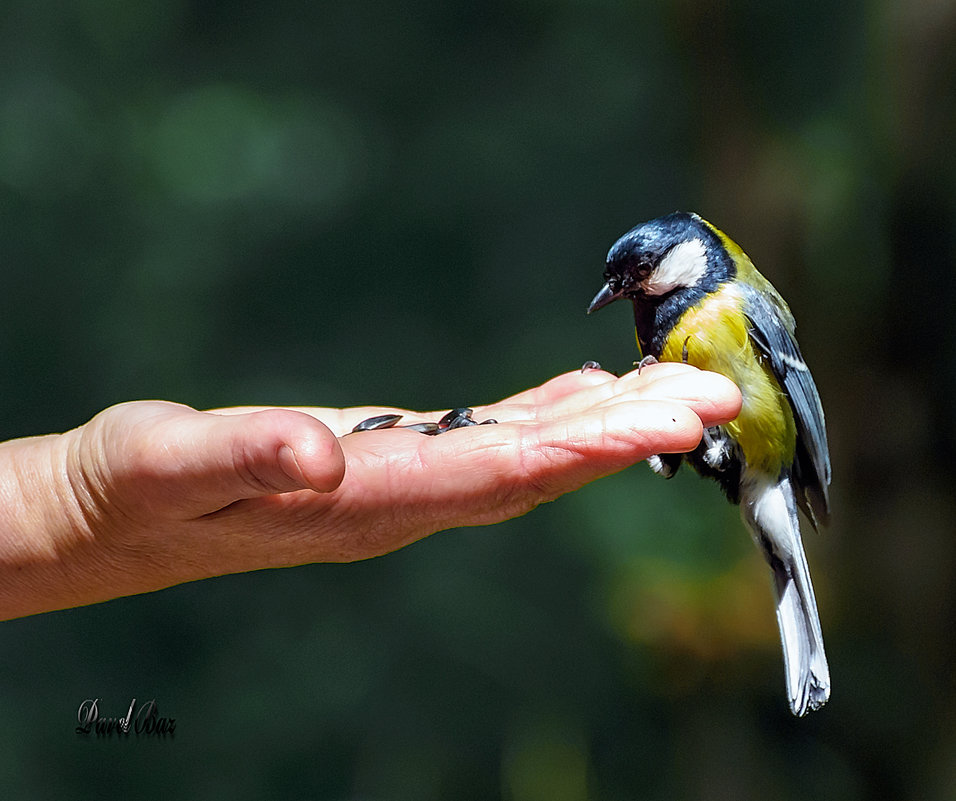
294 202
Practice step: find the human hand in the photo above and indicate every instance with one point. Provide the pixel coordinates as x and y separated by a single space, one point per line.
150 494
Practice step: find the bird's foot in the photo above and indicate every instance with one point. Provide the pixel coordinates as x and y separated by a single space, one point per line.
663 467
716 453
644 363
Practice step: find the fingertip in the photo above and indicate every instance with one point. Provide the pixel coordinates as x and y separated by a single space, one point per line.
718 400
662 426
685 430
317 459
309 453
712 396
284 450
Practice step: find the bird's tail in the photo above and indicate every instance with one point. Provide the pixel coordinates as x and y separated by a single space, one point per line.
769 508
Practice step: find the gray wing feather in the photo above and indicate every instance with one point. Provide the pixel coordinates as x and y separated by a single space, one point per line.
772 331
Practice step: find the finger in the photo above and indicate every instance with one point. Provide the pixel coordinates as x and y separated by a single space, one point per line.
712 396
493 472
569 394
558 387
276 450
539 396
194 463
542 395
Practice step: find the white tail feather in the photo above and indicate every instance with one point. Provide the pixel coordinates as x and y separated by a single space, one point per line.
770 511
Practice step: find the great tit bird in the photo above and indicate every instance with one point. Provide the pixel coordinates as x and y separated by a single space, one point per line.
699 299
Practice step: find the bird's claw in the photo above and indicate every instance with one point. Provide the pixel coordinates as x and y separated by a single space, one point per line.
647 360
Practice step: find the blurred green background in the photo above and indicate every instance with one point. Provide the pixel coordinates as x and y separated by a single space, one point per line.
410 203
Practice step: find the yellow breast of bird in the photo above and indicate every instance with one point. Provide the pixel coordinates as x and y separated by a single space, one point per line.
715 336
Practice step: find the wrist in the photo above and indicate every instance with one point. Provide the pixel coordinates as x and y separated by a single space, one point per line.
41 525
58 546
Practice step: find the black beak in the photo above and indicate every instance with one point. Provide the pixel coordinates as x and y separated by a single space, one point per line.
603 298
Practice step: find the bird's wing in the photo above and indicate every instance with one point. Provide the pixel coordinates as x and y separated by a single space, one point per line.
772 331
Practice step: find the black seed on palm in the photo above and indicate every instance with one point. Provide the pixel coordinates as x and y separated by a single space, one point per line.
375 423
424 428
453 415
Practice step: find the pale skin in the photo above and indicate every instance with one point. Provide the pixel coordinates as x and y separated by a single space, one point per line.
150 494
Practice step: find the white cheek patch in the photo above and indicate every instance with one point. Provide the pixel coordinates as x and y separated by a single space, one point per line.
682 265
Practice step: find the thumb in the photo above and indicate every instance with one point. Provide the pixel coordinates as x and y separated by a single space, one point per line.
169 460
280 450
